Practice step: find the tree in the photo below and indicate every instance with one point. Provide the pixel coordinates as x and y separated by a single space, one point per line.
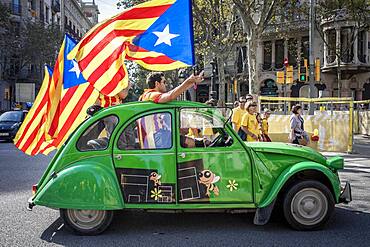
255 17
24 44
217 33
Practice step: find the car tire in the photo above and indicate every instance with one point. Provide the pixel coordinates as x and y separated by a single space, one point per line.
308 205
86 222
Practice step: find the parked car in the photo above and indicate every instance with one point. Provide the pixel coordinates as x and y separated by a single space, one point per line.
10 122
183 156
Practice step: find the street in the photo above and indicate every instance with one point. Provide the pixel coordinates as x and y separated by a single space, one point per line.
43 227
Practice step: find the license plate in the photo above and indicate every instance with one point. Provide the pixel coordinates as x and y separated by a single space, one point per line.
4 134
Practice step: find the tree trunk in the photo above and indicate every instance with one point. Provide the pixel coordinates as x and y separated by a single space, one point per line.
221 80
252 64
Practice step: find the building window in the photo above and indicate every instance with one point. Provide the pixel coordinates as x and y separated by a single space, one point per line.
16 7
331 36
346 41
292 52
242 57
279 53
47 17
361 46
267 55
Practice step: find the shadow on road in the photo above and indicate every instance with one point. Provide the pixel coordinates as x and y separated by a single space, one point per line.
157 229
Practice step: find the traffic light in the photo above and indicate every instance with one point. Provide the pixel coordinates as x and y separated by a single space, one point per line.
317 70
289 74
303 71
302 74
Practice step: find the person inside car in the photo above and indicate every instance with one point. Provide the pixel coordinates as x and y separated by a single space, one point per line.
157 91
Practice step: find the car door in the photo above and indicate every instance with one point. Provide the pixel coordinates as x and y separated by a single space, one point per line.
145 158
213 166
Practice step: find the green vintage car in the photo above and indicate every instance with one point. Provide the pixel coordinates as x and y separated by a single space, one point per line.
179 157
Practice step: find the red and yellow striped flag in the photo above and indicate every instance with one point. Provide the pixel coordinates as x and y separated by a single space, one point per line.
67 106
102 51
32 132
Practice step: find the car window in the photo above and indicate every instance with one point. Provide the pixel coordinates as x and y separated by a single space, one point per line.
152 131
97 136
11 116
199 128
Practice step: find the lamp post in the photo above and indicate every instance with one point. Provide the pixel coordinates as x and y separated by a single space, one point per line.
182 76
311 55
212 92
286 64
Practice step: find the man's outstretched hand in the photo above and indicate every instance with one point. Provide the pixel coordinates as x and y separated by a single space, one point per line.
196 79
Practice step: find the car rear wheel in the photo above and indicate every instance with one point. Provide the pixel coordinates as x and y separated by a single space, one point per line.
308 205
86 222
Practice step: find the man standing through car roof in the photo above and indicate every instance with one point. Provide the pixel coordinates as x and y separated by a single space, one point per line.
157 91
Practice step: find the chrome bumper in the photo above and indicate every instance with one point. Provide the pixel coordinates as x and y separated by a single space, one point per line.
30 204
346 194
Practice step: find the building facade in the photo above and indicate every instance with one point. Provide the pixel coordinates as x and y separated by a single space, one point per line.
340 46
78 18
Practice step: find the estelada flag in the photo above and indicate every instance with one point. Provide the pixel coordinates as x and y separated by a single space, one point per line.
59 108
157 34
33 129
70 96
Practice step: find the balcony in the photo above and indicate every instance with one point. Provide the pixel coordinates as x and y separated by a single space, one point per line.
15 9
55 6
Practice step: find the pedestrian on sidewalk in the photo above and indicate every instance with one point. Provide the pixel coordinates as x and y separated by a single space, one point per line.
249 123
236 118
265 126
297 134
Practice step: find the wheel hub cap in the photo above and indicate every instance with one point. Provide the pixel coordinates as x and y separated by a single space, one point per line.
309 206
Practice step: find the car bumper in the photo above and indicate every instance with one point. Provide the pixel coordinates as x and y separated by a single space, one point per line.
346 194
30 204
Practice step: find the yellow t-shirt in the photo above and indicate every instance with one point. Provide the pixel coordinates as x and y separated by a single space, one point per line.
237 117
265 126
194 134
250 122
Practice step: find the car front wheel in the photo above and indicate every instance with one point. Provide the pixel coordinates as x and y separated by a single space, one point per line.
308 205
86 222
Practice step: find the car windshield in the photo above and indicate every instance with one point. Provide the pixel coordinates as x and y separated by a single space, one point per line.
11 116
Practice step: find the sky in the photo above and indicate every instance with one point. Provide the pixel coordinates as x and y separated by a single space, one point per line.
107 8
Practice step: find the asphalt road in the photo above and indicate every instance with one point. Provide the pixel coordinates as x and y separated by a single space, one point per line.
43 227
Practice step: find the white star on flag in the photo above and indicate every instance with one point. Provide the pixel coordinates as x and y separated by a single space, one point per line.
165 36
75 69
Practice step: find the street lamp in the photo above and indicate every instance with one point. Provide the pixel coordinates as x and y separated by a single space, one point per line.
212 92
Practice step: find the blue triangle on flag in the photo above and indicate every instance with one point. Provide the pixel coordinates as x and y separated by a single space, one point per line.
171 34
72 75
50 70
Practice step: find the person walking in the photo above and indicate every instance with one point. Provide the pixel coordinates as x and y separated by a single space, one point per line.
297 134
265 126
236 118
250 124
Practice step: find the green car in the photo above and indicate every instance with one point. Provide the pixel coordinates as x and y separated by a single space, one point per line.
183 157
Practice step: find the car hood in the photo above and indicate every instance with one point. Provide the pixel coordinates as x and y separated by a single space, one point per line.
287 149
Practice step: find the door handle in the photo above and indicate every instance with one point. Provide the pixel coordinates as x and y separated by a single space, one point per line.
182 155
118 156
